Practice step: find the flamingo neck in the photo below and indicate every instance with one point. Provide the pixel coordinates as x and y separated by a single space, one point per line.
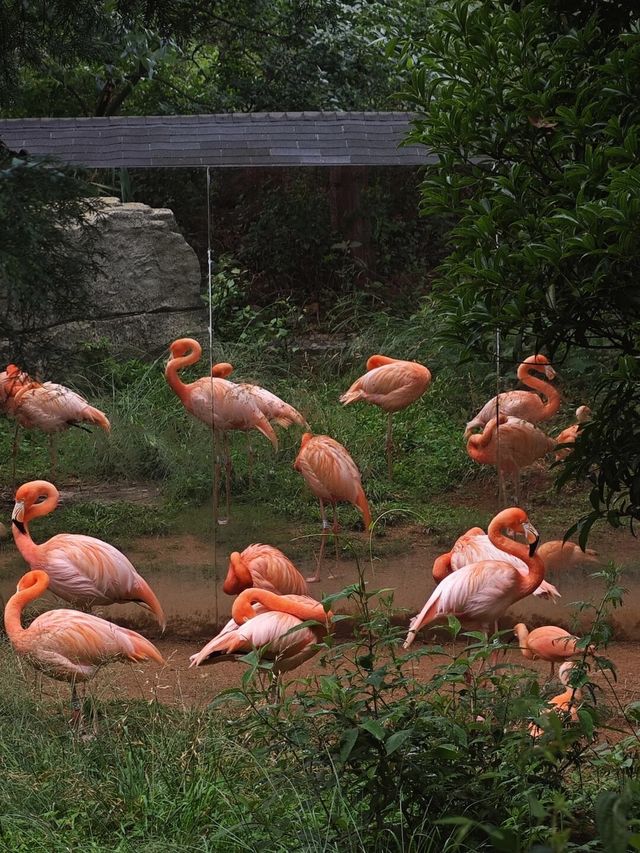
24 543
378 361
479 442
535 575
18 601
238 575
441 567
522 634
526 374
242 609
178 363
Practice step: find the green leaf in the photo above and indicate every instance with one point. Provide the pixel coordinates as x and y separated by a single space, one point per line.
396 740
374 728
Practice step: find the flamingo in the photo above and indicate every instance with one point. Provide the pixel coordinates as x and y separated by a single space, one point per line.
391 384
569 435
332 476
270 629
481 592
510 444
548 643
82 570
220 404
557 554
523 404
46 406
474 546
564 703
264 567
68 645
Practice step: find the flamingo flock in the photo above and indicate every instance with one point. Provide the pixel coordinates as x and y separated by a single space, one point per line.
476 581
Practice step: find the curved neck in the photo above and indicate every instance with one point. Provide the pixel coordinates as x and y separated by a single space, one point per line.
526 374
179 363
522 634
517 549
242 609
441 567
378 361
477 442
222 369
238 575
16 604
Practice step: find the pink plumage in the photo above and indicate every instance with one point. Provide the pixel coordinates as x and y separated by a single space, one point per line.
557 554
390 383
264 567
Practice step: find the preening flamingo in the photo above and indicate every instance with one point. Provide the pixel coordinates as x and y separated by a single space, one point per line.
510 444
332 476
549 643
270 629
481 592
82 570
263 567
474 546
564 703
523 404
47 406
391 384
557 554
220 404
65 644
569 435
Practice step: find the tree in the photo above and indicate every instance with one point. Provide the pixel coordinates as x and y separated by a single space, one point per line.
535 120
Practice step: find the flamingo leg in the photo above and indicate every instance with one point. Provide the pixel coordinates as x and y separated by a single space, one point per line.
553 671
389 446
53 456
216 475
336 530
227 462
323 540
14 454
250 460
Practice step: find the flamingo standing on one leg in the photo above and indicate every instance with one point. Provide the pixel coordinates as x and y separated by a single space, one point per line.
47 406
82 570
392 385
271 629
220 404
569 435
68 645
523 404
332 476
481 592
510 444
557 554
549 643
264 567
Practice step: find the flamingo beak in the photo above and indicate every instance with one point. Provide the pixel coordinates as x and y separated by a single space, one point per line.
549 372
532 536
17 516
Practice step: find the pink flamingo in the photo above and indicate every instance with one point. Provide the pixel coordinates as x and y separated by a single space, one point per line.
565 703
82 570
270 628
510 444
46 406
569 435
557 554
391 384
549 643
263 567
68 645
481 592
523 404
332 476
220 404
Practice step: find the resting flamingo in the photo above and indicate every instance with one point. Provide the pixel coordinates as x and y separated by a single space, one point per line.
270 629
474 546
523 404
48 407
391 384
569 435
557 554
481 592
68 645
549 643
565 703
220 404
84 571
332 476
510 444
263 567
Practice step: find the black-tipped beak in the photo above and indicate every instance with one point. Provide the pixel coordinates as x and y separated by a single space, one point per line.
533 546
19 525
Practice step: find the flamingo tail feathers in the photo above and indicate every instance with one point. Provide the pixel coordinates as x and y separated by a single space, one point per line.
147 598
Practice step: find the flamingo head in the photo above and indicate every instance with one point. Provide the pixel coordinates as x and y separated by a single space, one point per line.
32 499
379 361
583 414
306 438
238 576
34 578
542 362
222 370
517 520
183 346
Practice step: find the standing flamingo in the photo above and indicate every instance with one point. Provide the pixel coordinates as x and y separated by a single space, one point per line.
68 645
557 554
549 643
523 404
480 592
264 567
220 404
392 385
569 435
332 476
270 629
82 570
510 444
47 406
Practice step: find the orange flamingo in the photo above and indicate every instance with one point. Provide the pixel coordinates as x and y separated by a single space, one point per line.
474 546
557 554
332 476
480 592
510 446
549 643
215 401
82 570
68 645
392 385
263 567
569 435
270 629
523 404
47 406
565 703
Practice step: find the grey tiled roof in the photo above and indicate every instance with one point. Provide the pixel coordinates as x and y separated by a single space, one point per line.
222 139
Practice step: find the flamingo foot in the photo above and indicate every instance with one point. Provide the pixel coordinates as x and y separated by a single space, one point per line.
313 579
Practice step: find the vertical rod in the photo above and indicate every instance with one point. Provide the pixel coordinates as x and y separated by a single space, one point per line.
214 442
498 469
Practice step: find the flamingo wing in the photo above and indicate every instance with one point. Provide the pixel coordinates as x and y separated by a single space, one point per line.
273 408
391 386
52 407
